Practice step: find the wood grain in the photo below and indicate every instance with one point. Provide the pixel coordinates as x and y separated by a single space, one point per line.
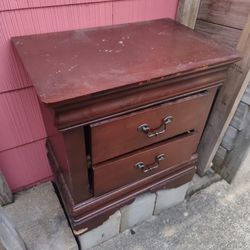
226 103
187 12
229 13
224 35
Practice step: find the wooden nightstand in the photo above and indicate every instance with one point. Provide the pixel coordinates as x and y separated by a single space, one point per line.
124 108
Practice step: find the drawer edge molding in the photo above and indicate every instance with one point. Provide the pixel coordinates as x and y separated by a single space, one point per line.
123 134
84 112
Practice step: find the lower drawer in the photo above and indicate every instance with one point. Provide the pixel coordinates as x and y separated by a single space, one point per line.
144 163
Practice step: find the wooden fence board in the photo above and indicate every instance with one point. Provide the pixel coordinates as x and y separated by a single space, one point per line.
227 35
230 13
226 103
187 12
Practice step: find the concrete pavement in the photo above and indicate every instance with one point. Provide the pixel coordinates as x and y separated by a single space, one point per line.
215 218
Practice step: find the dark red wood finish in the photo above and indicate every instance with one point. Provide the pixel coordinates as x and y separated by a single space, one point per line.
123 170
97 86
123 135
86 63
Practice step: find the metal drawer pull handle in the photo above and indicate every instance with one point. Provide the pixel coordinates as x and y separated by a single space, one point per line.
144 128
145 169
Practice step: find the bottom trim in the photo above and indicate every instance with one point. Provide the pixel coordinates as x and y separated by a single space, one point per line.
94 211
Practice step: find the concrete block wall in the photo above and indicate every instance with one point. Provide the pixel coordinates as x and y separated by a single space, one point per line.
143 208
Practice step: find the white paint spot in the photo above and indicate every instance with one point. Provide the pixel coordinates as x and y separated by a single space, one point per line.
185 214
58 71
161 33
19 43
72 67
121 42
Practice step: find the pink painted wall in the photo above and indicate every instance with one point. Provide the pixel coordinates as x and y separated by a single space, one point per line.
22 134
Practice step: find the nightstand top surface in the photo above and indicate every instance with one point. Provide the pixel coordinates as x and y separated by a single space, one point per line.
83 63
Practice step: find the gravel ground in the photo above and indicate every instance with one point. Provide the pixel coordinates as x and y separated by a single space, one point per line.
217 217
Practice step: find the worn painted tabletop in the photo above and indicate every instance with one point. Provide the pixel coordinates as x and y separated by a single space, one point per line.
82 63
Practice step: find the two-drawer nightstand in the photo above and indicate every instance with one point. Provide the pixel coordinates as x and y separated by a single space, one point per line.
124 108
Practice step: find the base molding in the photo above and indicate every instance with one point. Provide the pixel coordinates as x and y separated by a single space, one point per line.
90 214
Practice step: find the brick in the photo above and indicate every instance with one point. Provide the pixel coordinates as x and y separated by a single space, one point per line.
169 197
104 232
137 212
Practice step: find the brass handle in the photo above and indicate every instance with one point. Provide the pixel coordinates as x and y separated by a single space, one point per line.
140 165
144 128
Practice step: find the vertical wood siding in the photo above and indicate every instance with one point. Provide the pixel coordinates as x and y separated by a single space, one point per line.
22 151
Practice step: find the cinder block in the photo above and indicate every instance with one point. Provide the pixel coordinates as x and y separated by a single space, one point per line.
104 232
246 97
137 212
239 120
169 197
229 138
219 156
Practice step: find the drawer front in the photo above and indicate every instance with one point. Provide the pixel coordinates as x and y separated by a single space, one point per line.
145 163
114 137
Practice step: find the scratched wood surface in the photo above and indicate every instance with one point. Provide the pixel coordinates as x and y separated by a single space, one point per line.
121 56
22 131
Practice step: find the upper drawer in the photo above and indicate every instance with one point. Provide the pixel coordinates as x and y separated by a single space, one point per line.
113 137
